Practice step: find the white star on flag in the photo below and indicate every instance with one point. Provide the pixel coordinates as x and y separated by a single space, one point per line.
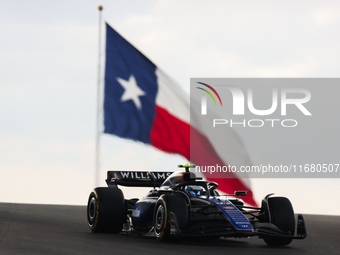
132 91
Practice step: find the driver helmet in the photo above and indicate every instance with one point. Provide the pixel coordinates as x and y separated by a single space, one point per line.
193 190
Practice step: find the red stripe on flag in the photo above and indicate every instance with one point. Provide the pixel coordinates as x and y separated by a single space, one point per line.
172 135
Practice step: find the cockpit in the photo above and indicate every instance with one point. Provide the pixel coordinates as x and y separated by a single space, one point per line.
194 190
188 182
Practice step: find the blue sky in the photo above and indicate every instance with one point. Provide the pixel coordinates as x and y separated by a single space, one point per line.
48 81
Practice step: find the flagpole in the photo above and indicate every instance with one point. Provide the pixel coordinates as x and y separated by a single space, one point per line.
98 114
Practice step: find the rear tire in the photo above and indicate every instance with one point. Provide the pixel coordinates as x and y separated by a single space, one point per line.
106 210
282 216
164 206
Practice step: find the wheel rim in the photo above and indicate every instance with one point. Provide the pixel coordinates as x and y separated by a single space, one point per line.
92 209
159 219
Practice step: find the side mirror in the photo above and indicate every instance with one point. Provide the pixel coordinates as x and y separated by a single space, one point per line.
240 193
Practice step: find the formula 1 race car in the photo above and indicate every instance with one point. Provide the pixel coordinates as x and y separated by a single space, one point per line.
186 206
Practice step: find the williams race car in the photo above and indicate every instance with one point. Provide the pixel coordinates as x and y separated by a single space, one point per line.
183 206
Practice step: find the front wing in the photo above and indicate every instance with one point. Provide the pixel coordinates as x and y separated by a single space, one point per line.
214 229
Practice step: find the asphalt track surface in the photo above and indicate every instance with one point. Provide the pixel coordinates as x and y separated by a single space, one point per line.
57 229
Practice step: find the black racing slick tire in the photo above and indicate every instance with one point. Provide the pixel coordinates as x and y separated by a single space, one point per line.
165 205
282 216
106 210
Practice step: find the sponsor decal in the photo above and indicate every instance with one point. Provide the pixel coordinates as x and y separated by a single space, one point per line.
136 213
229 207
143 175
150 200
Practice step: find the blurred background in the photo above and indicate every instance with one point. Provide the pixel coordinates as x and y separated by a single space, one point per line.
48 72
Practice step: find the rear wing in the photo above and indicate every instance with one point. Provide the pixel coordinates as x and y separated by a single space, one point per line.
136 178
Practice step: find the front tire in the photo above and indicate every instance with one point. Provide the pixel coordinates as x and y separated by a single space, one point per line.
282 216
165 205
106 210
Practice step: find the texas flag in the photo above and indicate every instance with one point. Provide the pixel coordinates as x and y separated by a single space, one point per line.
142 103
